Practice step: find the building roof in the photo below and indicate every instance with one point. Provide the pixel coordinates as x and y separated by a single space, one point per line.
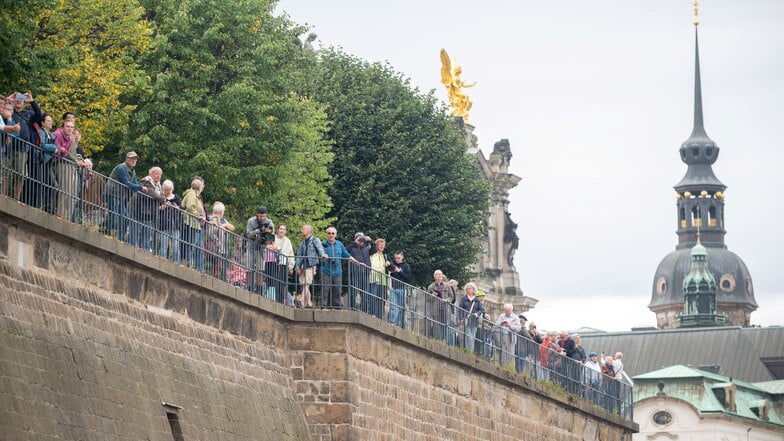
705 391
748 354
775 387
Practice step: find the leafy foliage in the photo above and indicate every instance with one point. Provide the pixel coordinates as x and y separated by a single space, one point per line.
20 60
80 56
401 169
222 107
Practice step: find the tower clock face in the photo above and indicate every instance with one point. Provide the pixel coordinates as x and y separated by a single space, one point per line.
662 418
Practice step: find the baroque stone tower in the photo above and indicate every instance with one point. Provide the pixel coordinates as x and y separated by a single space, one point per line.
498 277
700 210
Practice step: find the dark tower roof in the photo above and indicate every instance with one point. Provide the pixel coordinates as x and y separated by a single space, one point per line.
700 209
699 151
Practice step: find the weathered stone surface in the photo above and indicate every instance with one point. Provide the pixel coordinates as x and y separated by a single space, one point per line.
324 366
338 413
325 339
91 345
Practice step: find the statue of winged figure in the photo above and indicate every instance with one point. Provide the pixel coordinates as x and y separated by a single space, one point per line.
450 77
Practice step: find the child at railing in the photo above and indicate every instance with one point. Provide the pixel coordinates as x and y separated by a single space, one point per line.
236 273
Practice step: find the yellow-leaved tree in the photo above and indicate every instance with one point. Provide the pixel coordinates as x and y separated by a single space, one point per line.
92 48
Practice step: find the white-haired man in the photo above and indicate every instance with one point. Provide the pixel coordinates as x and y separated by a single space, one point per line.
508 326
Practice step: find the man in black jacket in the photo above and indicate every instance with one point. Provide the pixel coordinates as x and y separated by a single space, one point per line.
25 159
401 276
359 271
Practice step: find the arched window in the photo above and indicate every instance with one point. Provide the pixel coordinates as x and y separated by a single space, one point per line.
712 217
682 217
695 217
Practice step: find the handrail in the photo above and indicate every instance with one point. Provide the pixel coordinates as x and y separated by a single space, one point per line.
82 196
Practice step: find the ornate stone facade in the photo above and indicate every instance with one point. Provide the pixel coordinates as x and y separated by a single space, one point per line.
498 276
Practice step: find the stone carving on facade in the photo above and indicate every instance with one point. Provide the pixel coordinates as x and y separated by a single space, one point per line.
498 276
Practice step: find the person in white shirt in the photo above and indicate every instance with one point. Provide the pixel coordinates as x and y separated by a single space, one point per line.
618 366
508 326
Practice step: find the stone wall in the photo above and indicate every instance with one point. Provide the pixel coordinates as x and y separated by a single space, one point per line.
100 341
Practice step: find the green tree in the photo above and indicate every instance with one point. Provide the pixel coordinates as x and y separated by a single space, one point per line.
223 106
20 62
80 56
401 170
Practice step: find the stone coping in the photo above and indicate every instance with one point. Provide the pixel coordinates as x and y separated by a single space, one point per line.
44 221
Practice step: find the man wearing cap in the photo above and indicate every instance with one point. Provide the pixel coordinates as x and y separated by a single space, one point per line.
525 343
260 234
593 374
122 184
481 347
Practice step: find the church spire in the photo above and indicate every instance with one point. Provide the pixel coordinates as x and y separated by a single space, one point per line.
701 283
700 193
699 125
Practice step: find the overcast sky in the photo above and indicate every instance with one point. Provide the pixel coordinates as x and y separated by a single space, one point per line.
596 98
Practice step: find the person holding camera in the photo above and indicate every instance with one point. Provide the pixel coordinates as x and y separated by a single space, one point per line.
359 270
22 164
260 233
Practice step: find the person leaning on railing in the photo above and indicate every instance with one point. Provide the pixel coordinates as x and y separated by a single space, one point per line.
122 184
67 141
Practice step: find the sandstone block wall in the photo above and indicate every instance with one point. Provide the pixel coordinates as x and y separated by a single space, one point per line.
99 341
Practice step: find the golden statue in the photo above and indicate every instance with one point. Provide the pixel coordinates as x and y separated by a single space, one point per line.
450 76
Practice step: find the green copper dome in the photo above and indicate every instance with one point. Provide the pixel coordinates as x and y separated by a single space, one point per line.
699 277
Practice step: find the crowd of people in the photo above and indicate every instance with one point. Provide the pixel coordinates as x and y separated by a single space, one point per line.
46 169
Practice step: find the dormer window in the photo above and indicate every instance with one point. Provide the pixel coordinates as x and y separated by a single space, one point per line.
725 393
761 409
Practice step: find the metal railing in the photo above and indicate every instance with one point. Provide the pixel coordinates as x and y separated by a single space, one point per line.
82 196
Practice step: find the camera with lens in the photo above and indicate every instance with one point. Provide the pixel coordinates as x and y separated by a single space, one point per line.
262 235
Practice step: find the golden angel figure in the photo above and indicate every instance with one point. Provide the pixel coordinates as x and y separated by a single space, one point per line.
450 76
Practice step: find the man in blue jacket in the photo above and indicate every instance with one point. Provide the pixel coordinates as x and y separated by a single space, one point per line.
332 270
122 184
